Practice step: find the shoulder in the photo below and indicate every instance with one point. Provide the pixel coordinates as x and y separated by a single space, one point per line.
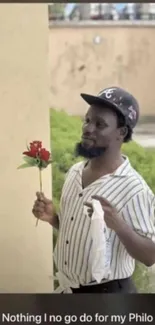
144 187
136 187
76 167
143 192
70 176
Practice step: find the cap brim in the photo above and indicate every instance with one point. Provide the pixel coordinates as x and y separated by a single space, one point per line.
95 100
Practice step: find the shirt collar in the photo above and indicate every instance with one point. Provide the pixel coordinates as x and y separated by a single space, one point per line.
125 169
122 171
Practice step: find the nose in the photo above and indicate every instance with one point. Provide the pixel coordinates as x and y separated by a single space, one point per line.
89 128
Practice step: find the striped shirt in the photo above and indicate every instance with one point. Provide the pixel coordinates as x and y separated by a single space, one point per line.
134 201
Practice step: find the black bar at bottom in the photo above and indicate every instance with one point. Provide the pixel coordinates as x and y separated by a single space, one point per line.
77 309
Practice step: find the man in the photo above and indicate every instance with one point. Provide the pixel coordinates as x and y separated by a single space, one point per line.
127 201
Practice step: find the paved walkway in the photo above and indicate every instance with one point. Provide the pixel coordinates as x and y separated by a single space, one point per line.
147 141
145 135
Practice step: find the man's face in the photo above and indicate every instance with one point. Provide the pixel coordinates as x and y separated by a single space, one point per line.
99 133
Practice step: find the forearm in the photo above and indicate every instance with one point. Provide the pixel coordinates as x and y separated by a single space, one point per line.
55 221
140 248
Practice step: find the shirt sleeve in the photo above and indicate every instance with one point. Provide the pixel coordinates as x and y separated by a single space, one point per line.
140 214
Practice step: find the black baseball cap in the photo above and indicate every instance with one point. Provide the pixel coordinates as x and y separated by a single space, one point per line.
119 100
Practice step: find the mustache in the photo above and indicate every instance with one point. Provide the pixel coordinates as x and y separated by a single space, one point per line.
88 153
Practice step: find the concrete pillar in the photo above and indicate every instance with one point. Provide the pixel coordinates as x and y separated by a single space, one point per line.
25 251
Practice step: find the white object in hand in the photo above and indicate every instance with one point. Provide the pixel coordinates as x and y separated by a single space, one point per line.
101 252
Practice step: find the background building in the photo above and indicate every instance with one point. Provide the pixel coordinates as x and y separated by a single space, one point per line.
89 54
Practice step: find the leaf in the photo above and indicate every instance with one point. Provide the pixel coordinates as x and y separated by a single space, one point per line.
38 162
31 161
44 164
50 161
27 146
24 166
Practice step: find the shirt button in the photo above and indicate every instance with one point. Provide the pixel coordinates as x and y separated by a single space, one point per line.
67 242
65 263
72 219
80 194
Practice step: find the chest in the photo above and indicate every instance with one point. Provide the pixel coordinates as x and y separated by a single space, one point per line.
88 177
81 186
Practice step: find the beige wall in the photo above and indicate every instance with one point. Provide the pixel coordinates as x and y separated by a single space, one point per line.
25 251
125 57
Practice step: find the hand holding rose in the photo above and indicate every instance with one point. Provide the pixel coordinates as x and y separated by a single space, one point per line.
37 156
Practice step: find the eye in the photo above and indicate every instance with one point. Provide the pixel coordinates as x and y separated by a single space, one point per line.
87 120
99 125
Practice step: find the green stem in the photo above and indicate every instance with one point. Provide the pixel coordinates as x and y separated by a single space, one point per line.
40 180
41 187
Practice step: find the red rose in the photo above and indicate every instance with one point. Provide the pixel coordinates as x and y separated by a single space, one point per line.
44 154
31 153
34 149
36 144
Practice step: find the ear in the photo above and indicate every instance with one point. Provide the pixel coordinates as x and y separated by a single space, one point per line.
122 133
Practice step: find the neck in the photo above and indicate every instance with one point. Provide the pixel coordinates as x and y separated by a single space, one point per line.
107 163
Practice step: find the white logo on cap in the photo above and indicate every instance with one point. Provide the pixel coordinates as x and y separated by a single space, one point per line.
132 114
108 92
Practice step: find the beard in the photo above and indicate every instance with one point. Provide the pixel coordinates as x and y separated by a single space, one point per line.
89 153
